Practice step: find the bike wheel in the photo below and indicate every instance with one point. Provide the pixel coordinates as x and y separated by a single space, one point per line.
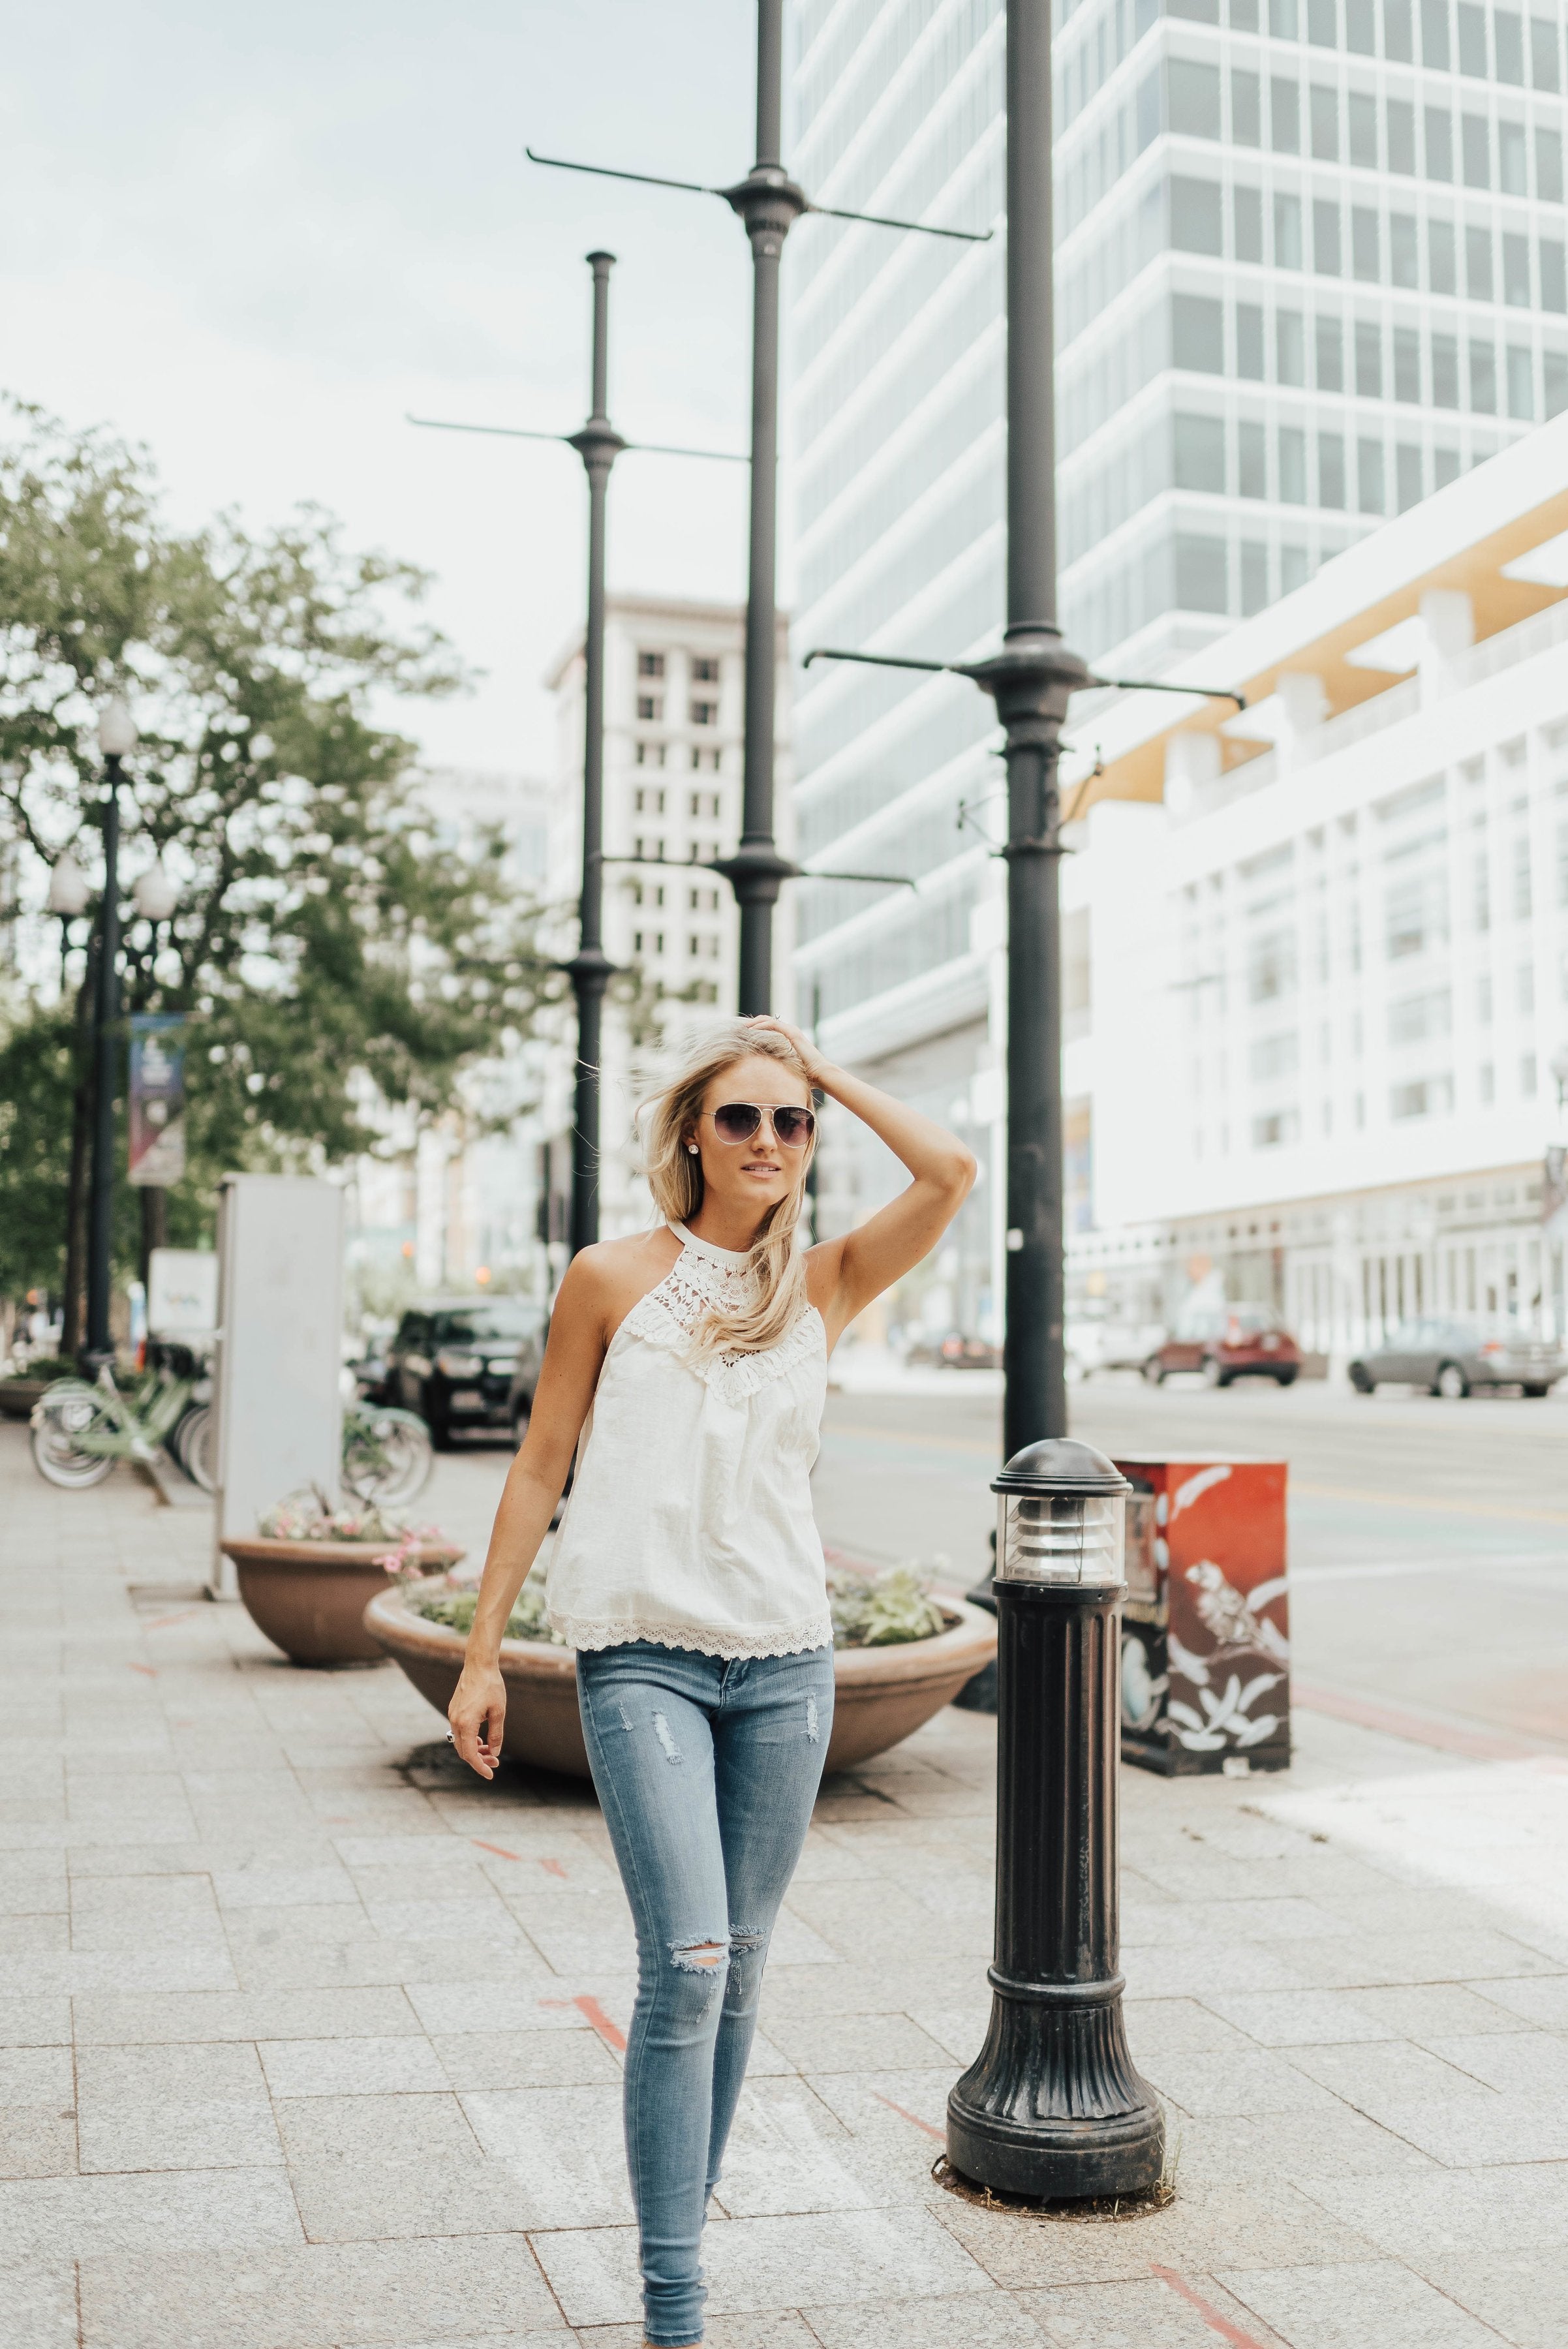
198 1446
387 1456
62 1416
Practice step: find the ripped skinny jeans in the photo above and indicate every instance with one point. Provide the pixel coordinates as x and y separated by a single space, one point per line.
707 1772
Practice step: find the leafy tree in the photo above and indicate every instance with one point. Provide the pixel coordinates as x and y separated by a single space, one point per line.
333 957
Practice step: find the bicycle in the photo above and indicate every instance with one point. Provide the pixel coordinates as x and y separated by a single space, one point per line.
80 1428
388 1455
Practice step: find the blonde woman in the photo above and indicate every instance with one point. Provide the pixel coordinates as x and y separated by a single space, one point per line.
687 1369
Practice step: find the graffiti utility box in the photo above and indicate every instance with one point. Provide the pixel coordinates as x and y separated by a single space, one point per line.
1206 1622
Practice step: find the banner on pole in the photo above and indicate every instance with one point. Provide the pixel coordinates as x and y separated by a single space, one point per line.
156 1099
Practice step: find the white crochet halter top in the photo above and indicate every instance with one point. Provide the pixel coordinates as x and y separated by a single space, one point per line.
690 1522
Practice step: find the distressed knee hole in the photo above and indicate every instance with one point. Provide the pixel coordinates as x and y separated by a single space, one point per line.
812 1730
699 1957
661 1731
624 1717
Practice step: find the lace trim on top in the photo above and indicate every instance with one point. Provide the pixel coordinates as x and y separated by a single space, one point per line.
734 1647
704 1278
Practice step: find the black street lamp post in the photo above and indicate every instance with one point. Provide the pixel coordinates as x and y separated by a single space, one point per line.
1052 2106
590 969
769 202
117 740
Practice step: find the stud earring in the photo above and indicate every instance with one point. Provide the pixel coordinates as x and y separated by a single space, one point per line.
692 1146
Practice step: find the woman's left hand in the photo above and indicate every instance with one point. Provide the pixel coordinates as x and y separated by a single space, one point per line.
811 1059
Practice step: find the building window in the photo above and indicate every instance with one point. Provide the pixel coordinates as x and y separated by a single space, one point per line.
702 901
704 713
1442 267
651 706
704 804
702 945
649 851
648 942
1424 1097
704 670
1277 1131
1486 1083
1520 385
711 759
648 802
650 664
1527 1074
651 754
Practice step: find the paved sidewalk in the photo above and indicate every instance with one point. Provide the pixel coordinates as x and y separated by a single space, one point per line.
307 2041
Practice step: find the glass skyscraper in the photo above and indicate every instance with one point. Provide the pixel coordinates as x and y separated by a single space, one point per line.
1310 265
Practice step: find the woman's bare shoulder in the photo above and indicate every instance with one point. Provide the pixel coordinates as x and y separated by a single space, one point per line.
611 1277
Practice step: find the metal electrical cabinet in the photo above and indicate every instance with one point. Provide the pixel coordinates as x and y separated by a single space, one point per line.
1206 1622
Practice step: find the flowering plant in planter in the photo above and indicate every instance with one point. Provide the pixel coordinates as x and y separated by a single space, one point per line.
309 1516
868 1610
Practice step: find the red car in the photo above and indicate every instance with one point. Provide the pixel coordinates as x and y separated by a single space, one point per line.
1226 1343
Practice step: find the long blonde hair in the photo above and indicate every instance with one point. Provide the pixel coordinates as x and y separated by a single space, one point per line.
675 1178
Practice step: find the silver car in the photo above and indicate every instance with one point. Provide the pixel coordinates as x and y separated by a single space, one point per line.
1454 1357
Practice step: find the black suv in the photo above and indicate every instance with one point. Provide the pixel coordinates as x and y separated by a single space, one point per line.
470 1364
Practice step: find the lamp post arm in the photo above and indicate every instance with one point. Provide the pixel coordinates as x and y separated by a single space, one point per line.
701 187
881 660
1159 685
569 440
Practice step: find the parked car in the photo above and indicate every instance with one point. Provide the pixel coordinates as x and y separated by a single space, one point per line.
953 1350
1106 1345
1454 1357
457 1361
1225 1342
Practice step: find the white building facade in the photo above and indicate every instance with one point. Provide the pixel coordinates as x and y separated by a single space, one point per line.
1327 942
674 728
1310 270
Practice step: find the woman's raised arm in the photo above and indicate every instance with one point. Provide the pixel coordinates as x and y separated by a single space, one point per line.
846 1273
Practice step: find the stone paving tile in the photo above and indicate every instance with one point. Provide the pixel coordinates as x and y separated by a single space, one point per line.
767 2264
565 2146
282 1887
1181 2026
37 2141
1522 2207
395 2198
1353 1960
39 2301
162 2072
348 2067
1518 2294
170 2212
975 2319
1248 2081
860 2043
1210 2227
1195 1968
368 2130
1388 2070
527 2059
448 2008
135 2018
32 1881
1301 2018
1245 2148
206 2133
1141 2313
1428 2010
1544 2001
1521 2063
37 2075
1349 2306
1481 2131
321 2296
772 2329
35 1936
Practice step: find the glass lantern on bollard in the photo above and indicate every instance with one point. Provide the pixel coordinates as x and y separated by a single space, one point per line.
1052 2106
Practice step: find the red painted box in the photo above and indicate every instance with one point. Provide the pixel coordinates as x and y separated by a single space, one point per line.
1206 1622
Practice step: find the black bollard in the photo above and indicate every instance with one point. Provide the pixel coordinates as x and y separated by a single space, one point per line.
1052 2106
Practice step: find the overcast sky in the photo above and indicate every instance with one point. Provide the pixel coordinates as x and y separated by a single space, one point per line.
254 238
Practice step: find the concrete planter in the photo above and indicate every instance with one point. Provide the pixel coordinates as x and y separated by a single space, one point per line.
17 1396
309 1597
882 1694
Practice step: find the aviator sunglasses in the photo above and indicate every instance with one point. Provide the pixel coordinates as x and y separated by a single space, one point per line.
739 1121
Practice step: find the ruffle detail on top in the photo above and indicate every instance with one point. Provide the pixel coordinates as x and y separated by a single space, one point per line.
698 1282
732 1647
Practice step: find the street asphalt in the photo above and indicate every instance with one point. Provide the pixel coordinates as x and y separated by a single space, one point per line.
1428 1540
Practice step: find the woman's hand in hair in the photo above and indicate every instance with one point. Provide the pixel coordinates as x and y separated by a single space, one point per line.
811 1059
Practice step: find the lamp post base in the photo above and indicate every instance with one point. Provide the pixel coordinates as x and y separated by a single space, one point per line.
1052 2106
